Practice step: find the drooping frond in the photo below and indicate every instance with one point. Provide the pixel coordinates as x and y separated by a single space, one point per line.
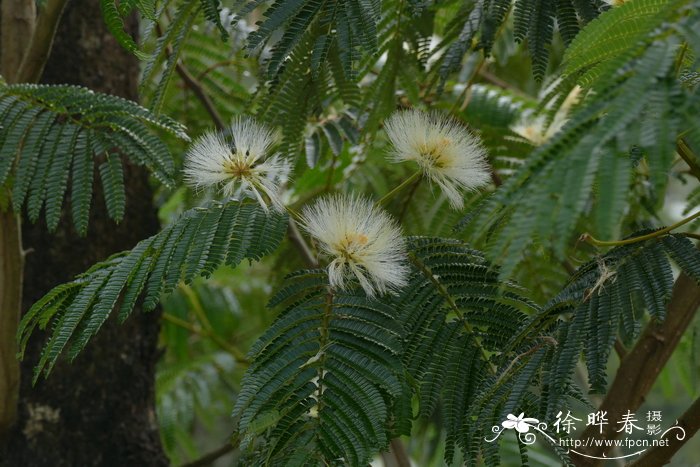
324 377
53 134
476 24
350 25
200 241
617 33
114 13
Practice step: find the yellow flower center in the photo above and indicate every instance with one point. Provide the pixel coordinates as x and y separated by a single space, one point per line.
238 167
351 245
433 152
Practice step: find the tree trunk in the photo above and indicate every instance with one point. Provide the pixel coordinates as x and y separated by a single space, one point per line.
98 410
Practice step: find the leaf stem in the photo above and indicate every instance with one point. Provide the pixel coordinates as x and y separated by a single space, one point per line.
588 238
398 188
450 301
237 354
688 157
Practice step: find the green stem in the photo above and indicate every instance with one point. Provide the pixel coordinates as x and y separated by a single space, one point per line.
593 241
687 155
400 187
448 298
237 354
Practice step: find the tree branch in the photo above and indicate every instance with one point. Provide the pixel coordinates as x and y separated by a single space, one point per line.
661 455
41 41
641 366
237 354
210 457
198 91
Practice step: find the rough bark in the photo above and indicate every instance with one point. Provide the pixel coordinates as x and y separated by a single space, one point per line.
98 410
16 24
10 301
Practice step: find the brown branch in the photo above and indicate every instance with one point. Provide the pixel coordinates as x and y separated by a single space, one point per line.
661 455
198 91
194 85
17 25
396 456
41 42
641 366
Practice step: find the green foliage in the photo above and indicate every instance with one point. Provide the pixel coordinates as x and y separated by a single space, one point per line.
114 12
187 388
617 33
200 241
476 334
53 134
347 26
459 322
592 155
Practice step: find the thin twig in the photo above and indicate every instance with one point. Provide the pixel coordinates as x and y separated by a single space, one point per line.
411 193
208 458
198 91
416 176
657 233
237 354
298 241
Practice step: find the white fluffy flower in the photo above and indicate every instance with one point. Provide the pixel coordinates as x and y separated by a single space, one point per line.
448 153
361 239
241 166
614 3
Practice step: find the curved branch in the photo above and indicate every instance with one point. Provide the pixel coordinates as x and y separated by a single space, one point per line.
661 455
198 90
210 457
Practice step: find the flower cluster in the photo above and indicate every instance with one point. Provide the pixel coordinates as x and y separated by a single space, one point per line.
244 166
361 239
